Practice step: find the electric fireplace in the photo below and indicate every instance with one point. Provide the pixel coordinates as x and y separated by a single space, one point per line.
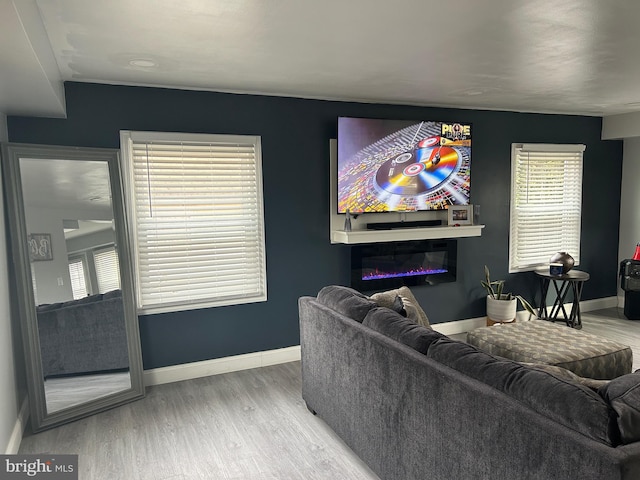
392 265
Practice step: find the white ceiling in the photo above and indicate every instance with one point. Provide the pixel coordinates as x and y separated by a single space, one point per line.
571 56
80 188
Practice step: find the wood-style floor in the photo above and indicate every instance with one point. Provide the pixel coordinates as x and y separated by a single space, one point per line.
612 324
245 425
66 392
248 425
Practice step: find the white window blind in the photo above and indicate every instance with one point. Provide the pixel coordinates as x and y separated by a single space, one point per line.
546 203
197 217
77 272
107 269
34 284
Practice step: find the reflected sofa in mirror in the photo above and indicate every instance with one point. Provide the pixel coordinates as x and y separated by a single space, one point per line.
73 280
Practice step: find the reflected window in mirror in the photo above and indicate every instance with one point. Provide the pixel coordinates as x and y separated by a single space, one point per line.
94 271
34 286
77 272
93 257
107 270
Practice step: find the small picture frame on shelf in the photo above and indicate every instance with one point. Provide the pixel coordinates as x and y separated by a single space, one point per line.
460 214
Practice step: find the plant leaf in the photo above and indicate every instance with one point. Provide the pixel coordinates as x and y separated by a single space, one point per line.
489 289
526 305
498 292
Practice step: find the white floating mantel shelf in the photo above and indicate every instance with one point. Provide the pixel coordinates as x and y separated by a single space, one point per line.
402 234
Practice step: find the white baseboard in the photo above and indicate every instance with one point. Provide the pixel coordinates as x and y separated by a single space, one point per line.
18 429
597 304
217 366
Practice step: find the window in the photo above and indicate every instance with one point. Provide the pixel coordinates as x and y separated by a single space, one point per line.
195 206
34 284
546 200
77 272
107 269
94 270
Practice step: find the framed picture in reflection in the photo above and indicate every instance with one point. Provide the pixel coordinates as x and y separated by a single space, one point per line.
40 247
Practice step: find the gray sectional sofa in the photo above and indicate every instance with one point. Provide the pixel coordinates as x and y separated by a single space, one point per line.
415 404
83 336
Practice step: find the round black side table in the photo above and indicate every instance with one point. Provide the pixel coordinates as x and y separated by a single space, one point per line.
572 280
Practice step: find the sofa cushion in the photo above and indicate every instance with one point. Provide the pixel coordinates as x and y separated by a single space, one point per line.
390 300
623 394
401 329
83 301
410 304
398 306
346 301
592 383
112 294
565 402
48 307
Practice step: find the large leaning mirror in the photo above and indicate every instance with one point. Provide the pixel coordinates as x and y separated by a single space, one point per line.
72 280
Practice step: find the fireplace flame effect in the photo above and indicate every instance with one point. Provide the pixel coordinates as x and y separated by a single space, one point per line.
394 264
379 275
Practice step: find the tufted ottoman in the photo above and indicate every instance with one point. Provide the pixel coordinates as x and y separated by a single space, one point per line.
540 341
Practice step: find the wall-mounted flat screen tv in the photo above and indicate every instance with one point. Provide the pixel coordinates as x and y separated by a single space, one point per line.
402 166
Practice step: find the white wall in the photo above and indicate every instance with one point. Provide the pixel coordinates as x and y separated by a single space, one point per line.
53 283
625 125
630 200
8 387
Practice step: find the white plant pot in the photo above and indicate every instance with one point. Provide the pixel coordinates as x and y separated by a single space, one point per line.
502 311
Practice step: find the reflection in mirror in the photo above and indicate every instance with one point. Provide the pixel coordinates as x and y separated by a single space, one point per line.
74 287
75 276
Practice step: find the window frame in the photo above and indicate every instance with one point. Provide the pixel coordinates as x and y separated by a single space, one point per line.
88 258
96 252
82 259
127 138
570 201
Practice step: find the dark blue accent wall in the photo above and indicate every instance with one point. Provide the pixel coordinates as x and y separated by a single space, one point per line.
300 259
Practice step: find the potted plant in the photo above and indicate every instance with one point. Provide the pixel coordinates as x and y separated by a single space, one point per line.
501 306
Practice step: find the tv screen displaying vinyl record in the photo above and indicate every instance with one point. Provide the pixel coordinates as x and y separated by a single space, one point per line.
402 166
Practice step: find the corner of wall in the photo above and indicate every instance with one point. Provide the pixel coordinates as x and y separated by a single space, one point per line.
15 439
624 125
